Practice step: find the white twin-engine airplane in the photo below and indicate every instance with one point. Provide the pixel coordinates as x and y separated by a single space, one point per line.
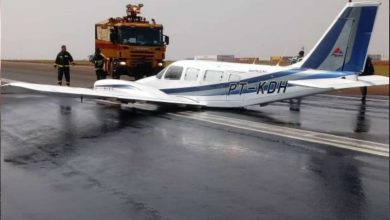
334 63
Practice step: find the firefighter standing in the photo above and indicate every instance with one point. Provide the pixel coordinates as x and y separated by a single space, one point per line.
99 60
63 60
368 70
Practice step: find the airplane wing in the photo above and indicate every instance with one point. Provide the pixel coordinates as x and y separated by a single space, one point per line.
133 93
342 83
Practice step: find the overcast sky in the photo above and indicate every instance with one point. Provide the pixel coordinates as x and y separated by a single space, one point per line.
35 29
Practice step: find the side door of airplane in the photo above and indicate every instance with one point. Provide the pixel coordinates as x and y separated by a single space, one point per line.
234 94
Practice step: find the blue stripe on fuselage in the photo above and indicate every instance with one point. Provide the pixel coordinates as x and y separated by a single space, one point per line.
251 84
329 75
227 84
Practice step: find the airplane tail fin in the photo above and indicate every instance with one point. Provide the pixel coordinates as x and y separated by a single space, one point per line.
344 45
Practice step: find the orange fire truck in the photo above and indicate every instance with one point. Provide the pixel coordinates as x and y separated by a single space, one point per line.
133 45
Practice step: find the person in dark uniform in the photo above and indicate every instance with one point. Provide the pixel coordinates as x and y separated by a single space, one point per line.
298 58
99 60
63 60
368 70
295 104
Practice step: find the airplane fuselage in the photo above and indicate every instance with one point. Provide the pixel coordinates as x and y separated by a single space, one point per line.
221 84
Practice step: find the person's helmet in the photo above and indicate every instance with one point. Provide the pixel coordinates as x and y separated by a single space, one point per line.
301 53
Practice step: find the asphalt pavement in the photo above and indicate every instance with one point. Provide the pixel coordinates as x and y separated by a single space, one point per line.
66 159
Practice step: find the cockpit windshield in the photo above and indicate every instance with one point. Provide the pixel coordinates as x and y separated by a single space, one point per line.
161 73
140 36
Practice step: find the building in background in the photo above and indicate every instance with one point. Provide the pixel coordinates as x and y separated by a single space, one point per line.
223 58
250 60
375 57
281 60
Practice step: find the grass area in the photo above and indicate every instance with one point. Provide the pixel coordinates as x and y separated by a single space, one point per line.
78 62
381 69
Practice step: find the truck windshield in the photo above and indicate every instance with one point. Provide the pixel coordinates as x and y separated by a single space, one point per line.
140 36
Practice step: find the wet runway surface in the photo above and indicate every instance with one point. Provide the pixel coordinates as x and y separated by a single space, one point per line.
62 159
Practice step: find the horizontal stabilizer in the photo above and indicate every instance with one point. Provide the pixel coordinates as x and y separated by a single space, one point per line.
339 83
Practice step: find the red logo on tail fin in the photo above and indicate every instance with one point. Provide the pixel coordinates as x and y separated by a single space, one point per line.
338 52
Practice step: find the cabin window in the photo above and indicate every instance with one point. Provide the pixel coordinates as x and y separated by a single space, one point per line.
191 74
173 73
234 78
213 76
102 33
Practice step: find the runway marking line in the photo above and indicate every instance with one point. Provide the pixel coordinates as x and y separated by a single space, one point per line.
355 98
363 146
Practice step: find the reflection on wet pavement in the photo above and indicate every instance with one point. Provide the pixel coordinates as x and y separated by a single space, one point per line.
362 124
72 160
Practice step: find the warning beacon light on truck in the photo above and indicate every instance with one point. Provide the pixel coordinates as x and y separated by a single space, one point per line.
134 9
